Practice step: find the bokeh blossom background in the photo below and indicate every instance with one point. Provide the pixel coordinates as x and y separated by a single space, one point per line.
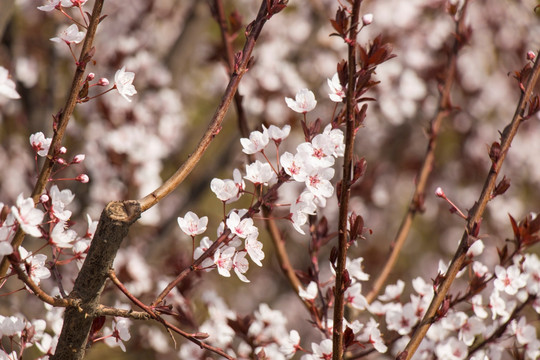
174 49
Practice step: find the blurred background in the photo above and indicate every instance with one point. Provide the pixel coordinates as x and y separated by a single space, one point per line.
175 50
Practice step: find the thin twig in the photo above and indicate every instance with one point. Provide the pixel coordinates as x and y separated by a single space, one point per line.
475 215
220 240
339 288
42 295
103 310
191 337
417 200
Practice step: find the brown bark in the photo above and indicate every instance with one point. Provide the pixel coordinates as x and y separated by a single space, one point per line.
113 227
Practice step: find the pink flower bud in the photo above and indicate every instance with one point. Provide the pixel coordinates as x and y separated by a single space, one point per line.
530 55
83 178
367 19
103 82
78 159
61 161
90 77
62 150
44 198
439 192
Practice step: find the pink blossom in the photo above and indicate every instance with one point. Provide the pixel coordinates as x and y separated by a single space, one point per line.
40 143
525 333
28 217
62 237
290 345
240 227
478 308
59 201
372 334
353 296
402 320
452 349
254 249
191 224
70 35
304 102
392 292
277 134
294 166
257 141
354 267
223 260
120 333
310 292
337 94
240 265
509 280
35 265
301 208
259 173
11 326
123 82
55 4
322 350
318 183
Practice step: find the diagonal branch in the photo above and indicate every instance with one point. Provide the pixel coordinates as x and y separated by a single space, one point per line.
417 200
240 68
475 216
63 120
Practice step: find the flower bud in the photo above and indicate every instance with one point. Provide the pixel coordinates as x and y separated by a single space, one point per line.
83 178
530 55
62 150
439 192
61 161
44 198
90 77
103 82
367 19
78 159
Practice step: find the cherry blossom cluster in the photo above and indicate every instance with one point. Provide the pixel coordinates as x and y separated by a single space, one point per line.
488 313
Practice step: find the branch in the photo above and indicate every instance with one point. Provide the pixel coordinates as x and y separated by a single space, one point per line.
340 287
474 217
220 240
63 119
240 68
191 337
271 226
417 200
227 40
42 295
114 224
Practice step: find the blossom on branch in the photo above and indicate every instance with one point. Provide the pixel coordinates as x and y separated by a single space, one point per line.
123 82
191 224
55 4
257 141
259 173
304 102
40 143
28 217
70 35
337 93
